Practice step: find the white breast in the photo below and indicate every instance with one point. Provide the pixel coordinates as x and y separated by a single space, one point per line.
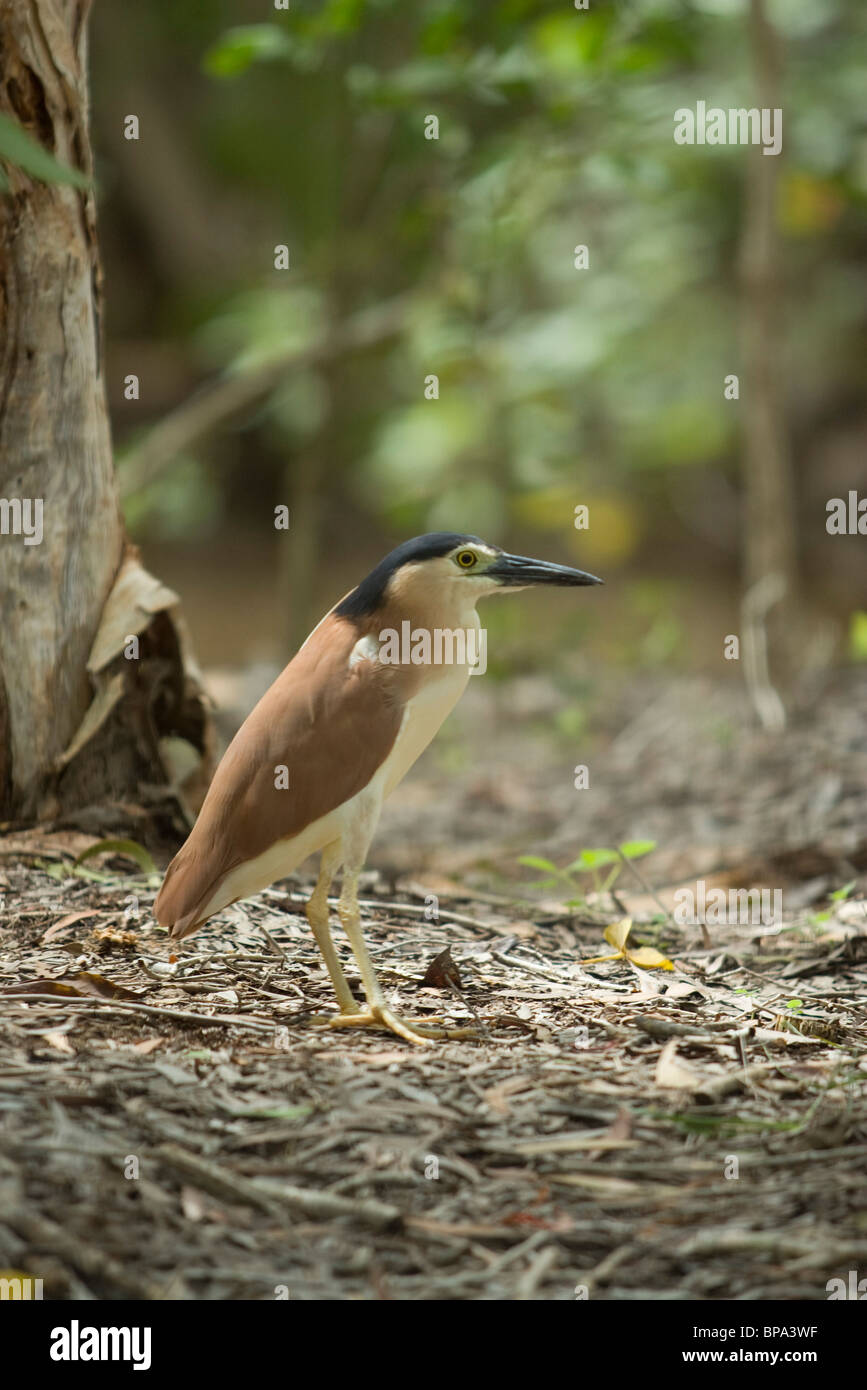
422 717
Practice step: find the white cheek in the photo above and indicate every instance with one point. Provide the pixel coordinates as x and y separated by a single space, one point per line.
482 587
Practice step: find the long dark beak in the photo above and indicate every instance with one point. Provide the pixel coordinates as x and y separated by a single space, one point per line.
517 570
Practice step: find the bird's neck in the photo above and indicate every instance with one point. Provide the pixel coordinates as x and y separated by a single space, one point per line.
424 642
458 612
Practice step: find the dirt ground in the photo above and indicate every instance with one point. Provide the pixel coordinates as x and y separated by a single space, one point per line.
192 1128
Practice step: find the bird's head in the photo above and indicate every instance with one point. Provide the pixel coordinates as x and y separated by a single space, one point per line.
446 567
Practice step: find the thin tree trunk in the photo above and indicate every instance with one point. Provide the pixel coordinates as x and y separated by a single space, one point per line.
79 723
769 552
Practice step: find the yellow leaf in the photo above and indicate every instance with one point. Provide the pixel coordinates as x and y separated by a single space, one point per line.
650 958
617 933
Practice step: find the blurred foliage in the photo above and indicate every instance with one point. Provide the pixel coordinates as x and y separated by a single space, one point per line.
18 149
858 637
556 385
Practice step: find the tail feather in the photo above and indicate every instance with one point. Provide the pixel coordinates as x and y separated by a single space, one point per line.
186 890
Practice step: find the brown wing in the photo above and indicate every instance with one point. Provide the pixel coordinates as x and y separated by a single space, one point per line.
330 726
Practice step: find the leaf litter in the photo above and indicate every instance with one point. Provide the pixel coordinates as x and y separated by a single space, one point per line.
184 1127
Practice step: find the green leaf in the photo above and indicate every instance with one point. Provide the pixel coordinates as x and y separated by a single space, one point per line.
795 1004
129 848
590 859
532 862
858 637
18 148
64 870
634 849
239 48
54 870
843 893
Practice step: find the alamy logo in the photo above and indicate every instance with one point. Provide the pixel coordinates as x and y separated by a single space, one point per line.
856 1288
738 126
76 1343
742 907
846 517
17 1287
22 517
439 646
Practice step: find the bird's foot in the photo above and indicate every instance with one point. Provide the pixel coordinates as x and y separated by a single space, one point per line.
379 1017
412 1030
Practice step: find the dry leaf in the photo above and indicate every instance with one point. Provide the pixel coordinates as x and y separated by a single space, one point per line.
682 989
572 1143
602 1187
28 987
382 1059
442 972
72 986
497 1096
621 1125
57 927
650 959
87 982
616 935
649 986
673 1074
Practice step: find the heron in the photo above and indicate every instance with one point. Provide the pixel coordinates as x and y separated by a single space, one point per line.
310 767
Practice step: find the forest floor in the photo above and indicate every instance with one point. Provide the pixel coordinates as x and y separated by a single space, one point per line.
189 1128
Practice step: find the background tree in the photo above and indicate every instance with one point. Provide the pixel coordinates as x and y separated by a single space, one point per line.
83 715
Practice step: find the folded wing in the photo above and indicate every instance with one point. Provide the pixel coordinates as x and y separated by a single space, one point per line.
329 724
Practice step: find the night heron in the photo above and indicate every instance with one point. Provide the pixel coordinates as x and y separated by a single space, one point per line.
310 767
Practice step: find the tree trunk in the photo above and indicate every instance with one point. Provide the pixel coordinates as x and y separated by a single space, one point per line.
83 722
770 607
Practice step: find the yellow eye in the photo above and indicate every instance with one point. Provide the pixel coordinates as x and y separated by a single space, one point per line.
466 559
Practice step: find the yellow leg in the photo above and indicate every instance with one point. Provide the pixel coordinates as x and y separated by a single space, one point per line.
378 1014
317 916
413 1029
